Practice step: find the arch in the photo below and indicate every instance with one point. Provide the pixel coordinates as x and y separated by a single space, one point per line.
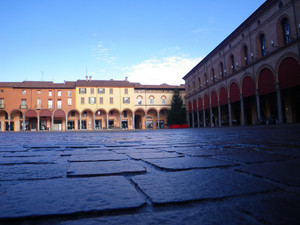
30 113
111 112
247 87
139 96
150 109
214 99
266 82
206 102
59 113
194 105
200 104
163 109
284 30
15 110
151 97
102 111
288 73
139 109
163 97
223 96
234 92
45 113
75 110
127 109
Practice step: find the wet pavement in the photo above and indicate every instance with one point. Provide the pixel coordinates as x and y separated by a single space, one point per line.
236 175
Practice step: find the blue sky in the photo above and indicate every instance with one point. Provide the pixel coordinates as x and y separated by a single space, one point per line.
149 41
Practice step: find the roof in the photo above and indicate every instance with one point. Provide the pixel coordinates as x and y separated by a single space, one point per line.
160 87
38 84
103 83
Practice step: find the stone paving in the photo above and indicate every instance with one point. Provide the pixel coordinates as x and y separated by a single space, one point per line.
236 175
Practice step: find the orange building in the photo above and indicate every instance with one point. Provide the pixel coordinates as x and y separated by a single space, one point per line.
34 106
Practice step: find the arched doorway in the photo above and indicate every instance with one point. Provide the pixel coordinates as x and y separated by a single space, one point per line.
234 96
163 118
100 119
114 119
214 108
4 121
224 106
86 120
139 119
59 120
73 117
126 120
248 95
45 119
16 120
151 118
31 120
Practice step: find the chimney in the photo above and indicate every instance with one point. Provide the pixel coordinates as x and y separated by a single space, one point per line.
90 78
126 79
86 78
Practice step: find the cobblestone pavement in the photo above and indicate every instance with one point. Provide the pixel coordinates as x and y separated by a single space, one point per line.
248 175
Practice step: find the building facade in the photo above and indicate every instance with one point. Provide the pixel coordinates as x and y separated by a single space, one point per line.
84 105
253 76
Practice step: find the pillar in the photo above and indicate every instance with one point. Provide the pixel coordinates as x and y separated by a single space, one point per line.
94 121
24 124
120 119
242 110
157 121
66 121
9 123
257 105
133 121
279 106
204 119
193 119
80 124
211 116
38 122
107 121
198 118
219 114
229 112
52 122
188 118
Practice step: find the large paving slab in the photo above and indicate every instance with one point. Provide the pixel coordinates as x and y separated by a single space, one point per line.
153 155
81 169
285 172
97 157
284 209
251 157
185 163
31 172
68 196
194 185
28 160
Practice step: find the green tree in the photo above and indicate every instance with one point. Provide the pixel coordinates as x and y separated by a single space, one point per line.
177 113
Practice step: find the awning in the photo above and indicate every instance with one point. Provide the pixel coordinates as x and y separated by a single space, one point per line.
266 82
248 87
45 113
223 96
289 73
234 93
59 114
30 114
214 99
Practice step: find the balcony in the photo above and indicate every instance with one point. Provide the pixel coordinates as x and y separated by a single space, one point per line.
23 106
2 106
39 107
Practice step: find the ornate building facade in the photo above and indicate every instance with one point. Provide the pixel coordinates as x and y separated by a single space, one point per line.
84 105
253 76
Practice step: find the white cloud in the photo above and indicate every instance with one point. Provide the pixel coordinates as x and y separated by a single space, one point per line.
102 54
168 70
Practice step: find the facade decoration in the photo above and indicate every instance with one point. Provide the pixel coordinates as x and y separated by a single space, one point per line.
253 76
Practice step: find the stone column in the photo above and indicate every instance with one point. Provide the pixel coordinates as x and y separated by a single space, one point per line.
157 121
193 119
133 122
52 122
38 122
66 121
211 116
257 105
204 119
24 124
9 123
242 110
120 118
279 106
107 121
94 121
198 118
80 124
229 112
219 114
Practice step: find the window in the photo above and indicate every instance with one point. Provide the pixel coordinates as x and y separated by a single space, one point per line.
92 100
82 90
82 100
246 55
59 93
206 80
69 101
50 104
50 93
38 92
69 93
101 90
125 114
163 101
111 100
139 101
59 104
101 100
23 102
1 103
126 100
111 91
286 31
126 91
199 83
92 90
263 45
72 113
38 103
213 75
2 91
151 101
24 92
232 63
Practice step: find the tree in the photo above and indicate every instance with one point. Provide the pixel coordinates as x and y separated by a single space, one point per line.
177 113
